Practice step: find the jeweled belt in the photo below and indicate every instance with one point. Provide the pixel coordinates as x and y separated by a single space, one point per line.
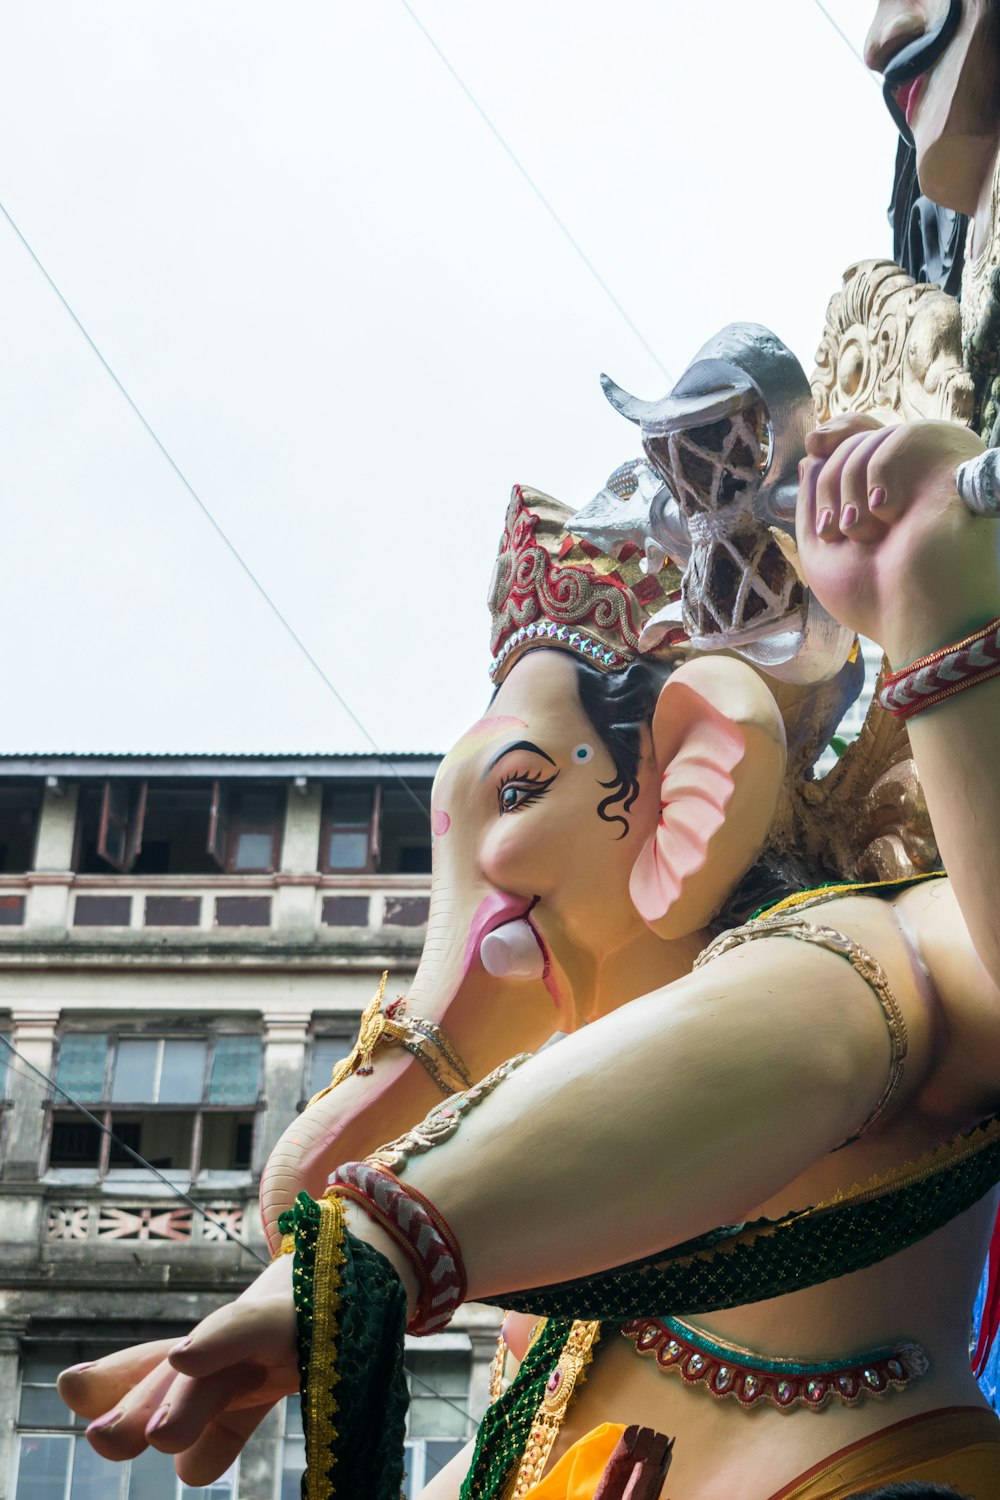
726 1370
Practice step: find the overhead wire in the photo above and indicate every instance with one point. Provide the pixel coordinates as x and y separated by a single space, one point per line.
259 587
526 176
208 515
846 40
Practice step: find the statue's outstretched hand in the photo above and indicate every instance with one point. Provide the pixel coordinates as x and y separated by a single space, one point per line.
887 544
199 1399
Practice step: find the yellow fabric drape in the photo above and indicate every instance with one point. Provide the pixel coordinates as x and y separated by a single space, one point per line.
578 1473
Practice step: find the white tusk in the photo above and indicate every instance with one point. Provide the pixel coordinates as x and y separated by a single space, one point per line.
512 952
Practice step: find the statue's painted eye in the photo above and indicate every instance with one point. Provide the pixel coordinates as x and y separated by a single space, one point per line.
580 754
519 791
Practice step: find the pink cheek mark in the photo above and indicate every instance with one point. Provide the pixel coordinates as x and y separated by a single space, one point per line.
440 822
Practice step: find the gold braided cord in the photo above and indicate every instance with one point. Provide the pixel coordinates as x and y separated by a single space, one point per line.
422 1039
864 964
323 1375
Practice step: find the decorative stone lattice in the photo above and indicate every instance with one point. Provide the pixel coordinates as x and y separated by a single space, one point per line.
68 1223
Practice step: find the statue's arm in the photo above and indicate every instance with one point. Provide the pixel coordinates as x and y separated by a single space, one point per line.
957 750
685 1109
918 572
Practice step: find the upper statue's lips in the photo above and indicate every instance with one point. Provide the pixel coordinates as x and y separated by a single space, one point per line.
906 96
910 64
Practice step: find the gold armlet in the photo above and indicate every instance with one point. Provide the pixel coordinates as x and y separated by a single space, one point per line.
861 961
429 1045
425 1041
287 1246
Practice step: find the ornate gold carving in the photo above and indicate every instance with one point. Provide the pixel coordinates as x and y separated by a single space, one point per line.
977 274
893 348
867 819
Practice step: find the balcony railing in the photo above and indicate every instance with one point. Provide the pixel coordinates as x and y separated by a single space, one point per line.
82 904
101 1221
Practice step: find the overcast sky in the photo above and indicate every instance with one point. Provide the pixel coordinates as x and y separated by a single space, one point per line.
354 327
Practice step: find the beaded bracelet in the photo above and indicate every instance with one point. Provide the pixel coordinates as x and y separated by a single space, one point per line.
421 1232
943 673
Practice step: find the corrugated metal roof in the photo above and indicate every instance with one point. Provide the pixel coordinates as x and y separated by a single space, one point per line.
220 763
220 755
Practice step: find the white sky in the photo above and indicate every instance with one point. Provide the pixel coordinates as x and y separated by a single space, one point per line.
354 326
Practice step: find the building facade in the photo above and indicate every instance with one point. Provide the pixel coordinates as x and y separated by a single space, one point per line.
186 944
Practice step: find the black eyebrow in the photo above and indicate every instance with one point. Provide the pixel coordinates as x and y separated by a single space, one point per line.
518 745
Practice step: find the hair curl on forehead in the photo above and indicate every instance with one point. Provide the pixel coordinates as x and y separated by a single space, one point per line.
620 707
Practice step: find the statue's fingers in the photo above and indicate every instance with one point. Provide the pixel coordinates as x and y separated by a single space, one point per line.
121 1432
864 511
94 1388
219 1445
824 440
829 500
194 1404
242 1332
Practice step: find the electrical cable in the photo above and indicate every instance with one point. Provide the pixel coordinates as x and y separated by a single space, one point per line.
210 518
846 40
533 185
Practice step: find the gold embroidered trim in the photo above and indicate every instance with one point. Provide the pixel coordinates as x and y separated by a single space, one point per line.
323 1374
880 1185
800 899
498 1365
862 962
570 1371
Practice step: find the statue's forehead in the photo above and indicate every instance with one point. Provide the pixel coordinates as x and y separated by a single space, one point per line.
477 738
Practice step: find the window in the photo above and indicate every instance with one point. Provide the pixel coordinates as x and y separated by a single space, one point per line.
177 827
438 1424
350 828
327 1052
376 826
245 827
54 1461
19 810
186 1104
293 1450
406 831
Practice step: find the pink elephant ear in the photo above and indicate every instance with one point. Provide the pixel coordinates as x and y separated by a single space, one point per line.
699 749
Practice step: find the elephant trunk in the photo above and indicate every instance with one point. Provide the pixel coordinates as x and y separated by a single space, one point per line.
482 980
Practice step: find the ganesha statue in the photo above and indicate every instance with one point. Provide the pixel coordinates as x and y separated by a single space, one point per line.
737 1217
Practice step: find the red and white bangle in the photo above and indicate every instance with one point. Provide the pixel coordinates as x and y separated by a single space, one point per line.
421 1232
943 673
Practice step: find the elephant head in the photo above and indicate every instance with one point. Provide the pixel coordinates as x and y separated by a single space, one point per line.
586 830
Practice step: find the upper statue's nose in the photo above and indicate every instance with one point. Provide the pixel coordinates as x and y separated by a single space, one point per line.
890 35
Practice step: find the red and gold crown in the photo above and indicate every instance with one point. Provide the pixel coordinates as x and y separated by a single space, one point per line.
551 588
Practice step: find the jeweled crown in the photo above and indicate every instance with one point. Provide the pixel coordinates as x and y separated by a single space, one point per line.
551 588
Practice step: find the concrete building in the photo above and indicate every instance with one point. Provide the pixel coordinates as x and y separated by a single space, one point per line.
186 944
